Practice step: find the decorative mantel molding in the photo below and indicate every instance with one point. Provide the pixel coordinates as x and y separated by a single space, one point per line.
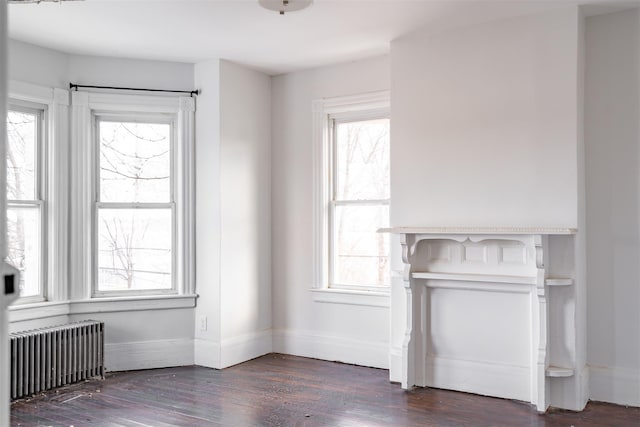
448 269
480 230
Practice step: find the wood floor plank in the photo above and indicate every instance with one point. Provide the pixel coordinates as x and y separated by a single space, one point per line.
279 390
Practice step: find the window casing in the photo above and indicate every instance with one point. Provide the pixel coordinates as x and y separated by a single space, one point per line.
26 190
351 185
134 220
97 200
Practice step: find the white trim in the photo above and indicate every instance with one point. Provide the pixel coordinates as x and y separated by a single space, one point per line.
475 278
57 196
352 297
148 354
395 364
185 199
377 100
43 310
81 167
615 385
346 107
84 106
489 379
206 353
54 162
121 103
320 151
133 303
246 347
332 348
480 230
37 94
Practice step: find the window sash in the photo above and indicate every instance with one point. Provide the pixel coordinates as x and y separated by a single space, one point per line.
143 118
40 184
332 245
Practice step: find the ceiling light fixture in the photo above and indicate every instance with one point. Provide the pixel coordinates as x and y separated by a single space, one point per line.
283 6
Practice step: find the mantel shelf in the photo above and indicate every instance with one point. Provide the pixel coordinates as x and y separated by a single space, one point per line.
465 277
558 281
480 230
558 372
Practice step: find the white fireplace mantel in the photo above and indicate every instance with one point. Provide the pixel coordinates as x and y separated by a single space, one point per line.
490 310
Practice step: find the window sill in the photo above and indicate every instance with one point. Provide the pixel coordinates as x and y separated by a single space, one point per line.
24 312
39 310
136 303
351 297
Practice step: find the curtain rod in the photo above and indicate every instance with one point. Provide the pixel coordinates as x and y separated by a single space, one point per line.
77 86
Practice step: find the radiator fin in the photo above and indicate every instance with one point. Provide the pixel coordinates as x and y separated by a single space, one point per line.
46 358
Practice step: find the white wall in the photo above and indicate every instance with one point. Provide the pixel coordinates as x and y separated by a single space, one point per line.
233 214
208 321
612 135
134 339
102 71
38 65
485 125
349 333
245 194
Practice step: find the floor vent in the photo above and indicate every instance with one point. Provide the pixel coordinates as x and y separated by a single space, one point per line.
46 358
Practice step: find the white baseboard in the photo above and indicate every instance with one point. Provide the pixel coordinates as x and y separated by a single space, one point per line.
615 385
246 347
331 348
131 356
489 379
206 353
395 365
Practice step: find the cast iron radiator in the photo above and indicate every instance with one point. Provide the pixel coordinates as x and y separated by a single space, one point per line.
46 358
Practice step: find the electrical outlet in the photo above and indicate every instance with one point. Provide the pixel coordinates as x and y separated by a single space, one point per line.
203 323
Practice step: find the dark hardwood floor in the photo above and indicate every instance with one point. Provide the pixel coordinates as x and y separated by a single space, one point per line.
279 390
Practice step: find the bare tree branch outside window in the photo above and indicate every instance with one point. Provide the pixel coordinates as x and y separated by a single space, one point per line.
361 193
134 214
24 244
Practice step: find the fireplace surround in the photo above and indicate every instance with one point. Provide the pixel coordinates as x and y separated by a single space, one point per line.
492 311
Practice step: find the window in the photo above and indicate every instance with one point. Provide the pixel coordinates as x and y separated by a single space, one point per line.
352 147
135 210
359 203
25 198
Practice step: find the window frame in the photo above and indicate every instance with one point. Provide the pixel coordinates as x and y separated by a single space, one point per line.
325 112
39 110
97 204
83 242
333 202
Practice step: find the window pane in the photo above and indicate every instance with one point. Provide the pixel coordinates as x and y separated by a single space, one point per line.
135 162
134 249
23 247
362 160
22 134
360 253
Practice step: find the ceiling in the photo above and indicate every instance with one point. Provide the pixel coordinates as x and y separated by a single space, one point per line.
331 31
